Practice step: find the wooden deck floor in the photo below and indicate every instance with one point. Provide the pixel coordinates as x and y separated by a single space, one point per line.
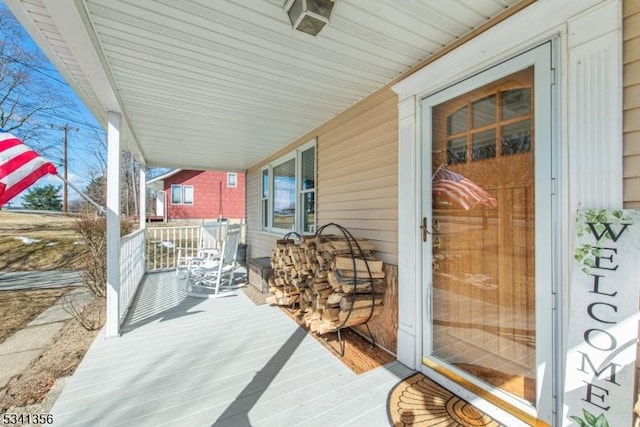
222 362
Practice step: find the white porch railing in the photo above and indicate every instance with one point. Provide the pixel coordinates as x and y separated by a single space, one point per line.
132 269
163 244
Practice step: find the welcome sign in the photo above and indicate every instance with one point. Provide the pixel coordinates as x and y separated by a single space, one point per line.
603 319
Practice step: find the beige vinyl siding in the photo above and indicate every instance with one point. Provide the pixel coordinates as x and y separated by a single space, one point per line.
357 176
357 166
258 244
631 99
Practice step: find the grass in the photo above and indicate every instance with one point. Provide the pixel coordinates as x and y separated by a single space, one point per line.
50 254
54 245
37 225
53 248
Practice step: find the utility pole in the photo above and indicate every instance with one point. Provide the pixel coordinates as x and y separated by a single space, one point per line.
133 185
65 194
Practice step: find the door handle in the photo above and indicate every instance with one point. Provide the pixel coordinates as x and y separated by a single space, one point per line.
423 227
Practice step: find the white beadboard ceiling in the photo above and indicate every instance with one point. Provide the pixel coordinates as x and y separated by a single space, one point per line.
222 84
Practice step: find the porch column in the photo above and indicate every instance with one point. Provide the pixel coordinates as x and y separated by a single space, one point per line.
112 328
143 197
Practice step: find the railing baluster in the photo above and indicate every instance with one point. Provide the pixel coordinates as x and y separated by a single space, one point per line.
155 257
167 241
175 245
131 268
155 249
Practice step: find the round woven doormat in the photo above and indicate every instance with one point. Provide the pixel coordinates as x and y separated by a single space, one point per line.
418 401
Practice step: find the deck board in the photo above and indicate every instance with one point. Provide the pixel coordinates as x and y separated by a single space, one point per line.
223 362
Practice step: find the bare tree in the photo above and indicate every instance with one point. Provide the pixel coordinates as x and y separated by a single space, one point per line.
129 182
30 99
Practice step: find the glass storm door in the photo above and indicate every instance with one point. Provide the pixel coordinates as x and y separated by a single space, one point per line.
486 144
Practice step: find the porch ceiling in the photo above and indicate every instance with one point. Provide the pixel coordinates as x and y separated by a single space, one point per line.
223 84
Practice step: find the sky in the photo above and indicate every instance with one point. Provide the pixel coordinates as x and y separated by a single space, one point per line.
82 141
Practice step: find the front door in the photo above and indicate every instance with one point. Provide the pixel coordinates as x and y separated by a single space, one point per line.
487 202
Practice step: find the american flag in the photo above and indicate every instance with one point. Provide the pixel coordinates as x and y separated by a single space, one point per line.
20 167
460 189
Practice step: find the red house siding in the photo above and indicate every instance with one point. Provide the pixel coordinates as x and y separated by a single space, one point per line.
207 200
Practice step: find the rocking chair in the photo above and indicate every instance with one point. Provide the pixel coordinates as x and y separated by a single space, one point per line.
205 279
210 238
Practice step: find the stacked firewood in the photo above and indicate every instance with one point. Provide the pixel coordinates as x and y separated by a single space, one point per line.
336 283
290 273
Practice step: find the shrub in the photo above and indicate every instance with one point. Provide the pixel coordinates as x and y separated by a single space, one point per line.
93 230
93 267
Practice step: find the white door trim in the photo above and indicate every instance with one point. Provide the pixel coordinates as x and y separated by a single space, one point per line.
589 35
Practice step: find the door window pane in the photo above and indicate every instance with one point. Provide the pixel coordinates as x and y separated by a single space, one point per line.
457 151
484 145
516 138
516 102
457 122
484 112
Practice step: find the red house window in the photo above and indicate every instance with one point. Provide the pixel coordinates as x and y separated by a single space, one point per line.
232 179
181 194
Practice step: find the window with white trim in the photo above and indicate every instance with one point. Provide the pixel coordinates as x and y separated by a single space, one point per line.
187 194
264 200
181 194
307 191
232 179
287 199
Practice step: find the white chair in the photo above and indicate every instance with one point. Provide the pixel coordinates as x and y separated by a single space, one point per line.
210 238
207 277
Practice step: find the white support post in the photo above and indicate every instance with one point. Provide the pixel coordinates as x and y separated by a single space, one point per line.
113 225
143 197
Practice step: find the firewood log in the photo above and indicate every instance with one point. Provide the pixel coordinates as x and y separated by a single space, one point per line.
347 263
360 301
362 288
358 314
334 298
345 274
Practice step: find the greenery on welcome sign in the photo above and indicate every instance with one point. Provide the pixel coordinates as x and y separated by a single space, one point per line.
586 254
591 420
